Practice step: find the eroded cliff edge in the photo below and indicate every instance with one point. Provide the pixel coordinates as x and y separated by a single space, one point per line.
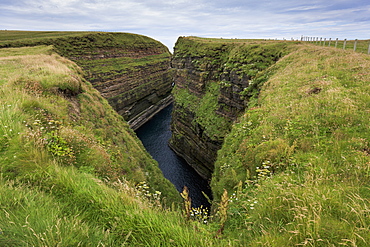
215 81
129 70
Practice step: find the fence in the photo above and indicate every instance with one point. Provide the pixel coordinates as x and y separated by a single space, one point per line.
362 46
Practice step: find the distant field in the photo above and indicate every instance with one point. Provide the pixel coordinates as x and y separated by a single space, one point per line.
222 40
9 36
362 46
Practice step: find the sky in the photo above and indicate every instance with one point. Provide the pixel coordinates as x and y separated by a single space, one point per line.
166 20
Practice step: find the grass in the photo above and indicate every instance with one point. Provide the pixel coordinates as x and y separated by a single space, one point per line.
10 36
362 46
294 170
106 58
297 162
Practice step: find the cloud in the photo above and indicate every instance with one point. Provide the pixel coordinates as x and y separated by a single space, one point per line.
165 20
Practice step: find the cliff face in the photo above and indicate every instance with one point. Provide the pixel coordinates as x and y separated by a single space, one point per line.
130 71
62 121
215 81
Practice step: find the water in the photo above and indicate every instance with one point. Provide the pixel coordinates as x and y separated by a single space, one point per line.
155 135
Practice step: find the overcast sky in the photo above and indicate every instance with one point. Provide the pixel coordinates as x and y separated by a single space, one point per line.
167 20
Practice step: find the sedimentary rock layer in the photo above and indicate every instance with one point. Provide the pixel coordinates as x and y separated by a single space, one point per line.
215 82
131 71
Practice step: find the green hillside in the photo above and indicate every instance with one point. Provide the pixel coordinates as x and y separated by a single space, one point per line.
297 165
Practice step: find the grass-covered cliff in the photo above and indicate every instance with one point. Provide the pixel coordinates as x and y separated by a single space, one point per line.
69 163
131 71
294 169
215 81
297 165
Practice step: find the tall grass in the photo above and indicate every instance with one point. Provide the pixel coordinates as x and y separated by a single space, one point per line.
298 163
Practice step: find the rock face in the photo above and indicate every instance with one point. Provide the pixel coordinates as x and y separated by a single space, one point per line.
129 70
201 101
215 80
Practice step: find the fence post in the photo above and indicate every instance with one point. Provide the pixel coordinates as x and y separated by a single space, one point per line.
320 40
344 44
355 45
324 42
368 50
329 42
336 43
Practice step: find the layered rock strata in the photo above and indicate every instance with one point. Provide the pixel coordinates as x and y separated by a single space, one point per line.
196 73
215 81
131 71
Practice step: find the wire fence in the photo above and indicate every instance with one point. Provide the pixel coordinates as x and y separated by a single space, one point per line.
362 46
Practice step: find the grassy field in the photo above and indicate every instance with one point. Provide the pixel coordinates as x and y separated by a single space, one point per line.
11 38
362 46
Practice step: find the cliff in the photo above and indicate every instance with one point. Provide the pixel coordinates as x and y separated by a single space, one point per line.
63 117
296 166
293 168
215 81
72 172
131 71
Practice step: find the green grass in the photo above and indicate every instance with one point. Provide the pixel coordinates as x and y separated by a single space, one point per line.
298 162
114 53
362 46
10 36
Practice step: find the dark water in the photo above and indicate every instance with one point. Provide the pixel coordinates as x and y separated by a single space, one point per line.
155 135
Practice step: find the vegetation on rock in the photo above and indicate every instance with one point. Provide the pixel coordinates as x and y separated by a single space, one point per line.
297 164
69 163
129 70
215 81
293 168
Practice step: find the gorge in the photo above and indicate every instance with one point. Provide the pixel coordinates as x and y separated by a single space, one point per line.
280 129
215 82
155 135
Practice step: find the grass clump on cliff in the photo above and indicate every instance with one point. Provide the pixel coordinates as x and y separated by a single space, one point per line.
296 166
215 69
